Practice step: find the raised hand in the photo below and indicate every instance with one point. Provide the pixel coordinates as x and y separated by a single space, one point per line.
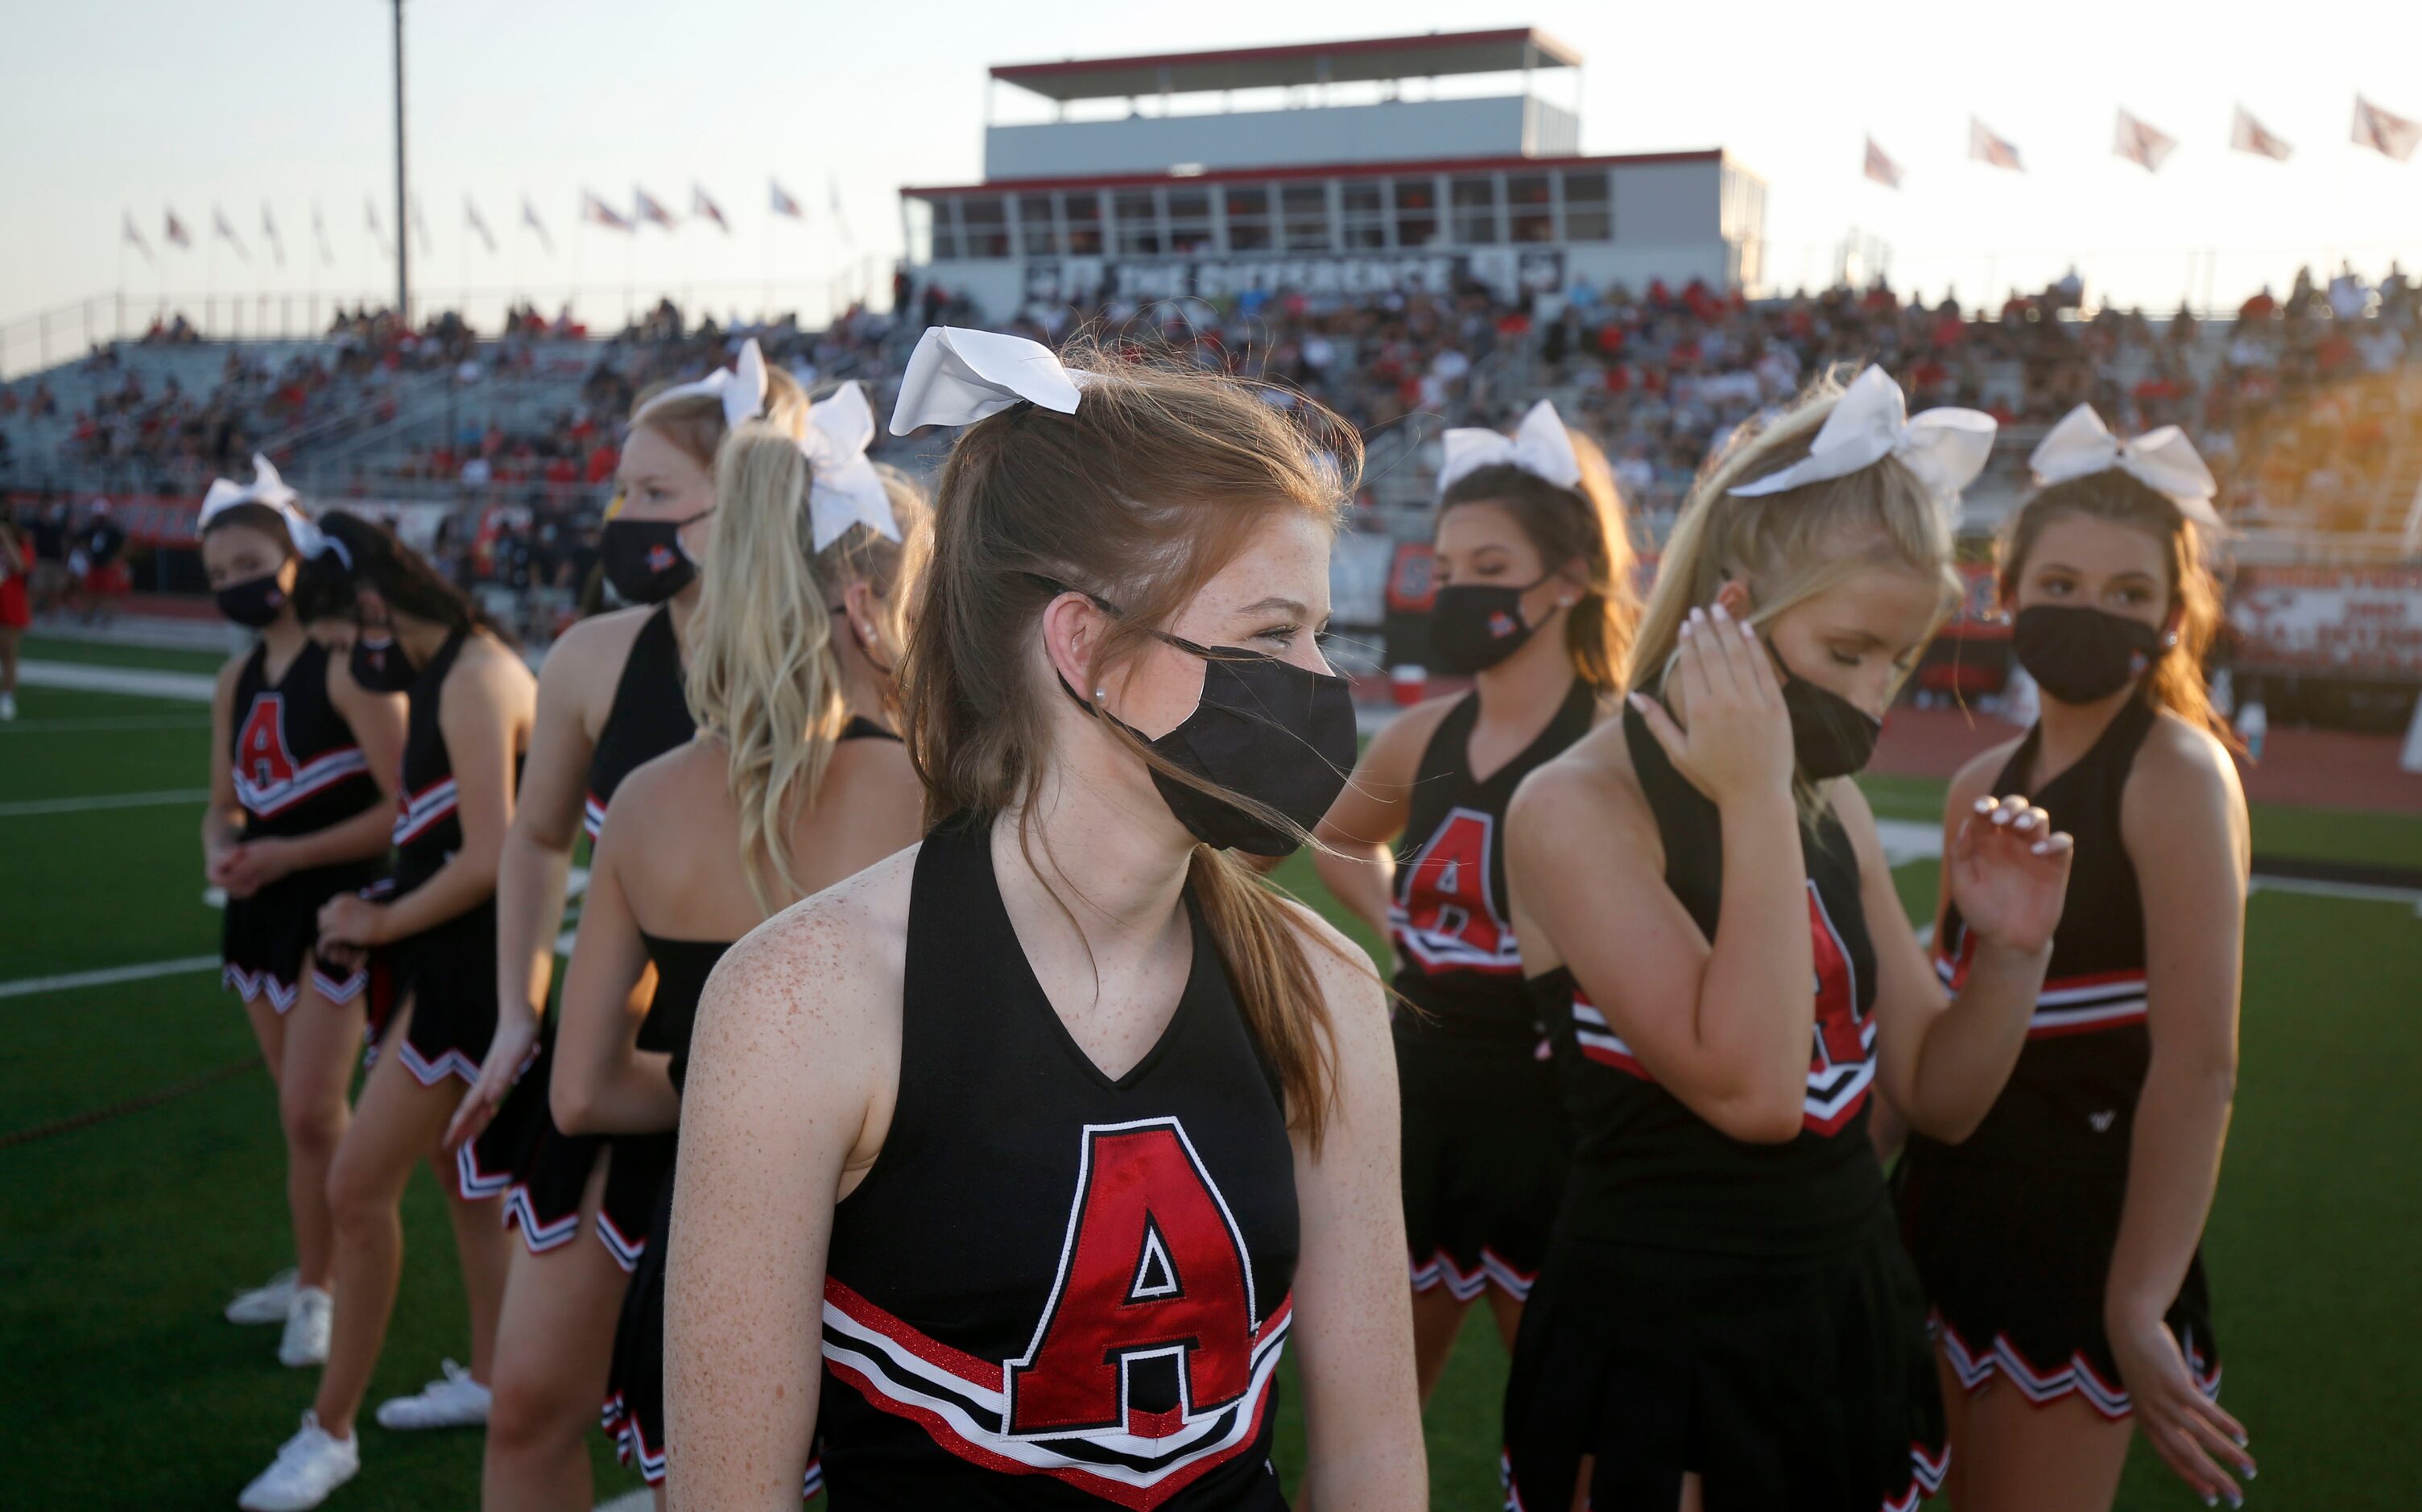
2009 873
1738 744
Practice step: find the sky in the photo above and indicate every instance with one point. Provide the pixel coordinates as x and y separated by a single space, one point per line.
112 107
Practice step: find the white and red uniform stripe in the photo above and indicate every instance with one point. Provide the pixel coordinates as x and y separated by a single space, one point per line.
321 772
2069 1005
1835 1092
963 1402
419 813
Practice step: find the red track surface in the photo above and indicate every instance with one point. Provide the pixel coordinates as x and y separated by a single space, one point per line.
2318 768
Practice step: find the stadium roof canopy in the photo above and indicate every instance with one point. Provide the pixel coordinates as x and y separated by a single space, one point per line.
1430 56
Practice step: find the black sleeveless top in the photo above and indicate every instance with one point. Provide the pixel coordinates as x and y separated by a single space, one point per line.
1649 1173
297 768
1055 1290
650 715
1451 920
682 966
2087 1043
426 828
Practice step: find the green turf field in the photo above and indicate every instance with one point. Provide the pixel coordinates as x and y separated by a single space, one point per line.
120 1240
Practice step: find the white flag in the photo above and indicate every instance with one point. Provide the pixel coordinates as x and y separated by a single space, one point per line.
2141 144
2246 135
223 229
1987 147
597 213
784 204
130 234
530 218
705 207
471 218
2390 136
1883 169
645 208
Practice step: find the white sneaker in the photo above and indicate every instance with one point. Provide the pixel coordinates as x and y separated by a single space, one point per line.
306 1329
456 1401
7 706
310 1466
264 1304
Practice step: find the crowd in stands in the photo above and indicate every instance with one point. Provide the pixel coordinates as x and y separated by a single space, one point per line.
2296 404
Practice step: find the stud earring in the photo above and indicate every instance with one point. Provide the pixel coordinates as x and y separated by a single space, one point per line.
1100 693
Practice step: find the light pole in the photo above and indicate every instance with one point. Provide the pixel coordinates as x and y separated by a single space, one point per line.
402 238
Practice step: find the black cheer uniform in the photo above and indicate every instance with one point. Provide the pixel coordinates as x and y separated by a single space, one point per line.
1484 1140
650 716
2013 1229
635 1389
447 972
1743 1311
297 771
1054 1288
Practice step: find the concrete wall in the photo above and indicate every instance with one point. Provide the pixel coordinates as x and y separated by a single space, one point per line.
1396 131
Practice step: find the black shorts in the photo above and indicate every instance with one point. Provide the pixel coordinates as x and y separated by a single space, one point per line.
552 1172
2015 1253
1485 1149
448 975
265 939
1787 1386
635 1386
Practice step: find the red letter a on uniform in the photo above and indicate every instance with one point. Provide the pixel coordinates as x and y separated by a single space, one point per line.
1154 1265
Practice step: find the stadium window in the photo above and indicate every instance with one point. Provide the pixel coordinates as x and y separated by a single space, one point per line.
1248 217
982 232
946 231
920 231
1304 208
1190 220
1364 214
1084 212
1526 198
1138 213
1038 234
1588 215
1417 222
1475 211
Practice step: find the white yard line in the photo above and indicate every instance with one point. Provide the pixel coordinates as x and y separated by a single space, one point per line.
77 727
190 687
27 806
26 987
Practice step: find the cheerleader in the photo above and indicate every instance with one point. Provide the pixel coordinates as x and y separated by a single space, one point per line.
798 782
303 774
470 703
1017 1159
1535 604
1726 1317
2058 1242
16 609
609 698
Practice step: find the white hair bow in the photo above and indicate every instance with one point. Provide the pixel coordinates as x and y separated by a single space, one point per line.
1540 445
844 488
268 489
2163 461
1945 448
741 387
957 376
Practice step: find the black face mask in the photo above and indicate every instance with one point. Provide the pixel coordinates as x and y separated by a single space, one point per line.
1265 729
256 602
644 560
2081 655
379 665
1474 627
1830 736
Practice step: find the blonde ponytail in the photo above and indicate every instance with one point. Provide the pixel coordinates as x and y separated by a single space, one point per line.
762 678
